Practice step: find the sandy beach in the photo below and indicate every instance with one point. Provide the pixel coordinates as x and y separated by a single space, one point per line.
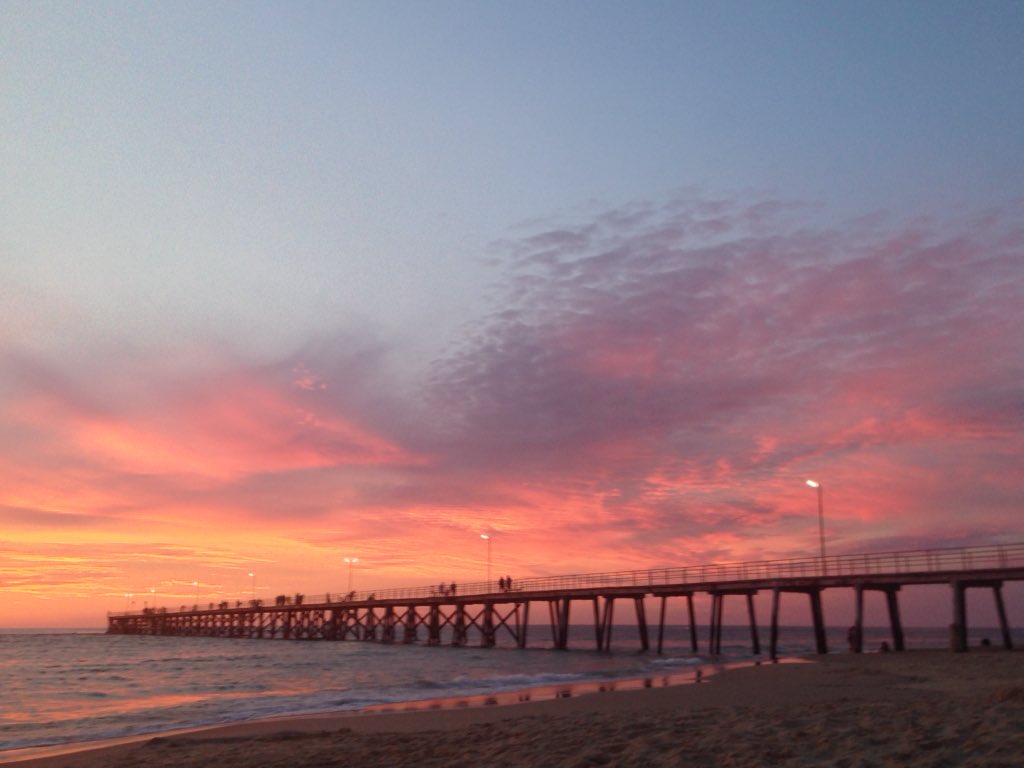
922 708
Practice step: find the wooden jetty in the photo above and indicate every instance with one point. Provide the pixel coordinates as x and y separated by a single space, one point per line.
479 613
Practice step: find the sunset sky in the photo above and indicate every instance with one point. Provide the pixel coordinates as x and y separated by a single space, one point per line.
283 283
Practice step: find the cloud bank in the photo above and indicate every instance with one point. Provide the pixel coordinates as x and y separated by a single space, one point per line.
653 385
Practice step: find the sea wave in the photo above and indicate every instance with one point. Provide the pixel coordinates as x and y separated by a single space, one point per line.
134 686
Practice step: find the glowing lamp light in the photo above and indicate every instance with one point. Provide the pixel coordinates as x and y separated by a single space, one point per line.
351 562
821 522
488 540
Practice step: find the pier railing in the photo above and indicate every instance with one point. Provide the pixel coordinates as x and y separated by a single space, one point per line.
897 563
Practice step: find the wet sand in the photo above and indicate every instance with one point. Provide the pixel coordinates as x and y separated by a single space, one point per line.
922 708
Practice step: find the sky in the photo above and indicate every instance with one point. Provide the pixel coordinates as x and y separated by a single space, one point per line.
285 283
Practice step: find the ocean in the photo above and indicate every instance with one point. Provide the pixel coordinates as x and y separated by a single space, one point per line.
64 687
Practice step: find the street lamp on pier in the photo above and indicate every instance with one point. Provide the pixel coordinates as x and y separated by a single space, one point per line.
351 562
252 575
488 540
821 522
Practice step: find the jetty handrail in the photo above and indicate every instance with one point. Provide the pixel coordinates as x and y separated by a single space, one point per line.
901 562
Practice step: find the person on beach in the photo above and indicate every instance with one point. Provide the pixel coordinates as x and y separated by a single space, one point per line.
853 638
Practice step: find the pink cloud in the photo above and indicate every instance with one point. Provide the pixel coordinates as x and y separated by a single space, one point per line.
634 351
230 422
654 387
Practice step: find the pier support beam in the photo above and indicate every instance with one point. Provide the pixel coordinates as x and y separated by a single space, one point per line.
599 623
817 616
487 638
693 623
958 637
525 623
958 632
409 635
893 607
558 608
459 631
717 602
607 617
661 622
857 642
894 618
641 622
434 628
1004 626
604 615
563 623
370 630
388 628
715 630
663 614
773 637
754 639
553 618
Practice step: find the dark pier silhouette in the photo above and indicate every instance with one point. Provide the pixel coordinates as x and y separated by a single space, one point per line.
480 612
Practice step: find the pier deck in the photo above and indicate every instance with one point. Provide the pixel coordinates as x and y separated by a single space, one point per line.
479 611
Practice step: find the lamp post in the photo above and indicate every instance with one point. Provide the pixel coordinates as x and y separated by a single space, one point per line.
127 601
196 585
152 591
351 562
488 540
821 522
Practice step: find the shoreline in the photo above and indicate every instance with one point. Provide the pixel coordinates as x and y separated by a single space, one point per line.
693 674
748 710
